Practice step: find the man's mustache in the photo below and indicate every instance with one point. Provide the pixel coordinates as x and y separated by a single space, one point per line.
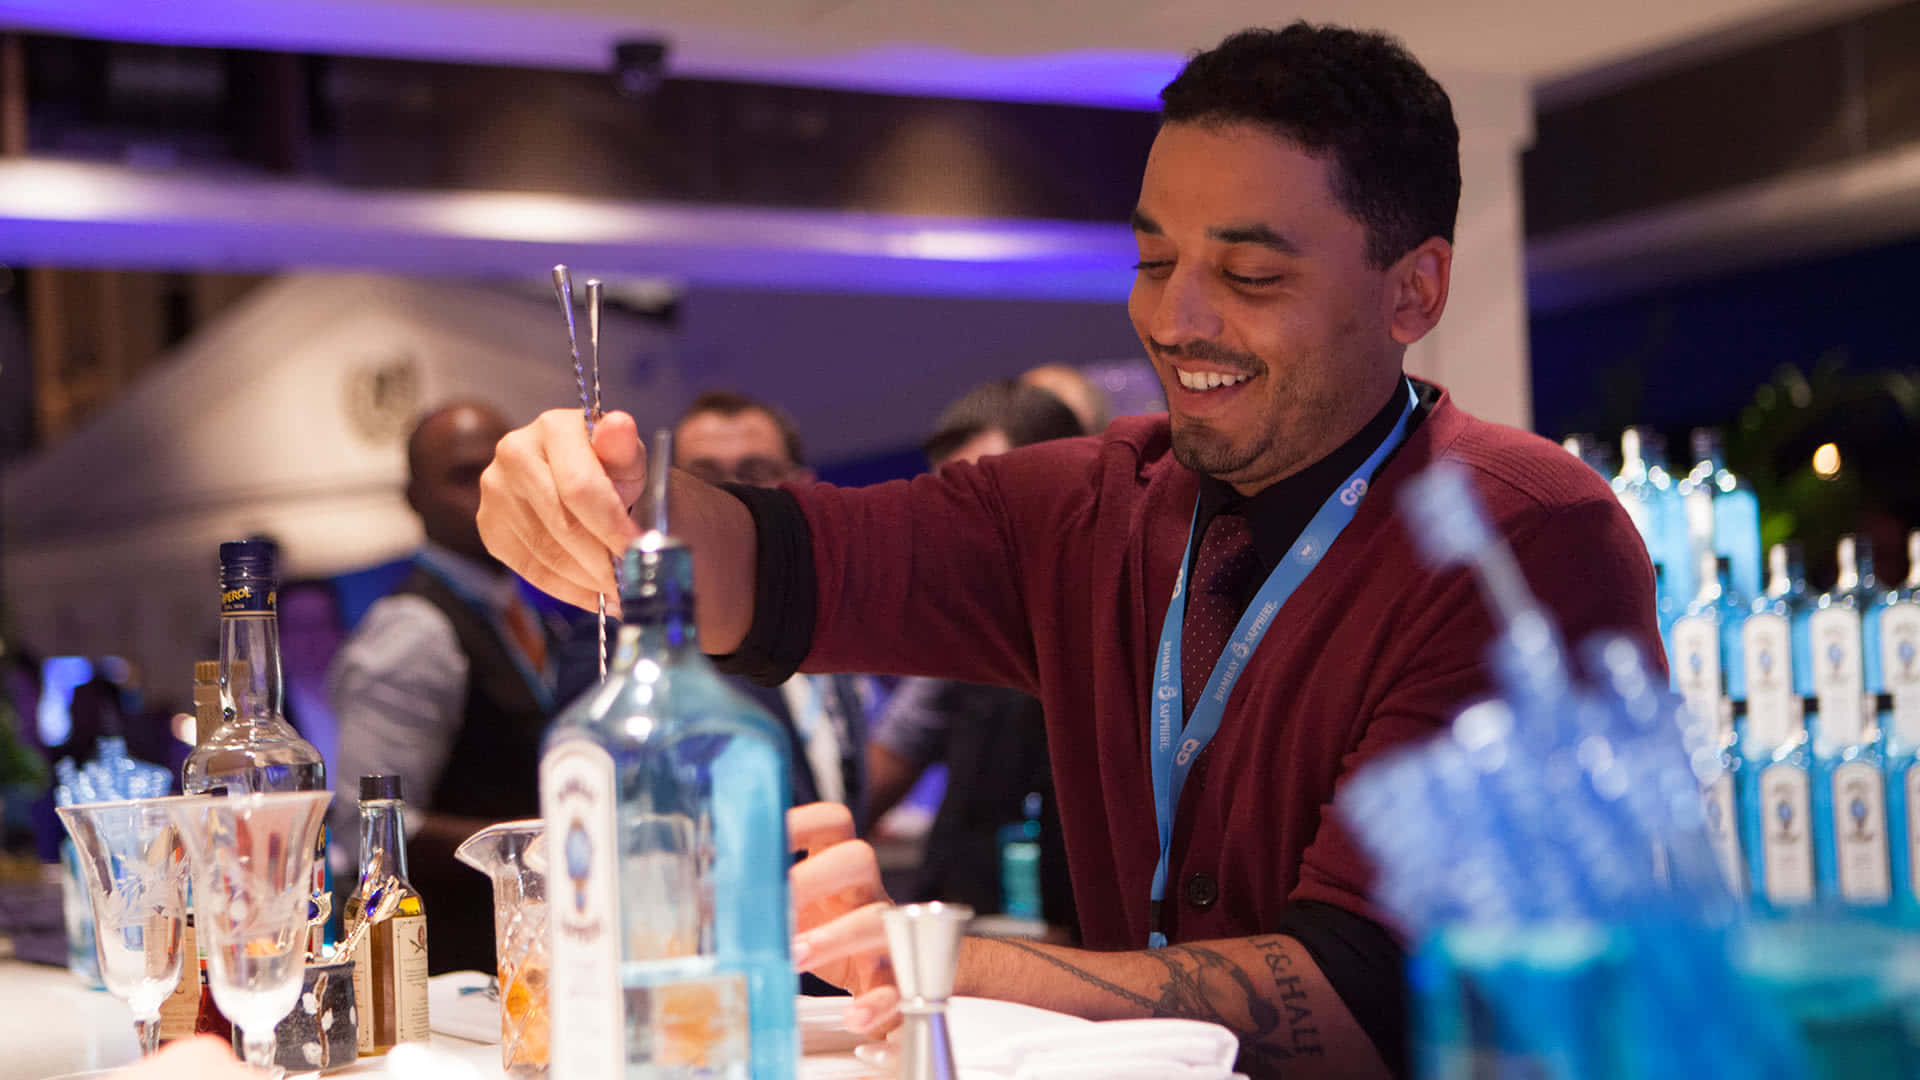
1207 352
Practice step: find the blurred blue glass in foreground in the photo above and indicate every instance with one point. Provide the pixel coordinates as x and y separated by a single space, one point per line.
112 776
1555 856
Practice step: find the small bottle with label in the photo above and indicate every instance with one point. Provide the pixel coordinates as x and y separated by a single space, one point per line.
1776 776
1897 624
1707 671
390 963
1849 781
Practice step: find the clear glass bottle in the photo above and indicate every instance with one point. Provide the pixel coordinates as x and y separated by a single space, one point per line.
1776 789
254 748
1731 510
1652 500
1897 625
1849 780
664 795
390 961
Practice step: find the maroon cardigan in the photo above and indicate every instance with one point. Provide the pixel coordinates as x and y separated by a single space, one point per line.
1049 569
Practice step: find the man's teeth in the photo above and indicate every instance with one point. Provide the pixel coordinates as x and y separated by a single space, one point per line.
1208 380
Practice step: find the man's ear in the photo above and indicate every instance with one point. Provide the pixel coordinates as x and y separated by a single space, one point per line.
1417 289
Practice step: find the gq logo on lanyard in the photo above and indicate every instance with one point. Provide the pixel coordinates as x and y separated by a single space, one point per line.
1187 749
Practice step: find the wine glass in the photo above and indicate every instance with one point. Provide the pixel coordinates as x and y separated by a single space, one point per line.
131 858
252 859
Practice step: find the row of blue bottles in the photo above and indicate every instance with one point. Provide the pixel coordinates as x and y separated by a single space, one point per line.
1704 651
1816 701
1777 763
1683 515
1723 513
1849 776
1898 702
1651 496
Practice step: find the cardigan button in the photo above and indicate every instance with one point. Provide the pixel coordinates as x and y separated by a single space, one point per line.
1202 891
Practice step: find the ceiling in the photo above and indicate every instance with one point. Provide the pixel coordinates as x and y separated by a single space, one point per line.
1110 51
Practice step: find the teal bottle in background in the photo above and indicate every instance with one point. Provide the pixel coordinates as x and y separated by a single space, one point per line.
1776 806
1704 652
1730 509
1898 628
665 795
1020 863
1849 781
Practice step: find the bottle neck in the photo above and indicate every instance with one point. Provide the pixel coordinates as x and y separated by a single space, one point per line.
382 829
656 601
1913 560
250 691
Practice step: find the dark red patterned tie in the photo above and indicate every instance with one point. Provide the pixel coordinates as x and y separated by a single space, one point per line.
1223 571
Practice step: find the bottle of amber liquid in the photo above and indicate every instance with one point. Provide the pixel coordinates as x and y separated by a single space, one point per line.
390 963
206 1019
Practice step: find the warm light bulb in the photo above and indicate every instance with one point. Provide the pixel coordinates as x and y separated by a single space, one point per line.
1826 461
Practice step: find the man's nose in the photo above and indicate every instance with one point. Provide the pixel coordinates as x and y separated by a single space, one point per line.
1184 310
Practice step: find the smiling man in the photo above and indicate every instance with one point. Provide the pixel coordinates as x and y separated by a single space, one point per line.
1217 607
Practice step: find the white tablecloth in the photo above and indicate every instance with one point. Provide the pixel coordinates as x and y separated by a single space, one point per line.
51 1024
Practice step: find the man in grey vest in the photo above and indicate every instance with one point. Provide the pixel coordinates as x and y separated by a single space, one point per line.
447 683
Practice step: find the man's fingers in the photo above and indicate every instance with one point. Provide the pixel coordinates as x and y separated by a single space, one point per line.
818 826
876 1012
860 934
846 873
616 442
581 483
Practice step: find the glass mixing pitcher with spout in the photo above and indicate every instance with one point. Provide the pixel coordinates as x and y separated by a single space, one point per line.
513 854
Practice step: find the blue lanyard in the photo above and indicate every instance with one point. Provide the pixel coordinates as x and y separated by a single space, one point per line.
1171 760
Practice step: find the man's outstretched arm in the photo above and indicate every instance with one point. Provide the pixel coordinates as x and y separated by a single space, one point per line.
1267 990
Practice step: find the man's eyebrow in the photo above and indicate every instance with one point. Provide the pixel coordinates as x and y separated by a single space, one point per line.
1255 234
1142 223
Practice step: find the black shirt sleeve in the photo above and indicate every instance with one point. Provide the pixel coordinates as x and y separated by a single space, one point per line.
1366 966
785 589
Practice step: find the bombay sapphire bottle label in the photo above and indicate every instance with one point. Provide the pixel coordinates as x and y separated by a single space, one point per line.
1860 833
1900 660
1786 839
577 801
1724 832
1772 706
1912 781
1696 647
1838 679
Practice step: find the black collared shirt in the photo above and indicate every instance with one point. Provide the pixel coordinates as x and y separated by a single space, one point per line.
1277 514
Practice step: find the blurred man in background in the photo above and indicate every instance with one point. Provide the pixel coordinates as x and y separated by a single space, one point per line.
447 684
730 438
1090 404
992 739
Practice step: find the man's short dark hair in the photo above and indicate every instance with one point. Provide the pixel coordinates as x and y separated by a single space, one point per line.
729 403
1354 96
1025 414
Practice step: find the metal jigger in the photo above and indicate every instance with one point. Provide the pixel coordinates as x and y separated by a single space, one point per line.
924 943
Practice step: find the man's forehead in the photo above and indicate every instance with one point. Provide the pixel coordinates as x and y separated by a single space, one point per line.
743 434
1235 176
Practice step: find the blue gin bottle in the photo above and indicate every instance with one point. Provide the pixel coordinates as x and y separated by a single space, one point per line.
1849 781
665 796
1776 812
1704 652
1652 500
1897 619
1733 508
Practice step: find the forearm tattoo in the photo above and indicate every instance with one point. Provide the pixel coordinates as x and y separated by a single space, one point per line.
1269 1011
